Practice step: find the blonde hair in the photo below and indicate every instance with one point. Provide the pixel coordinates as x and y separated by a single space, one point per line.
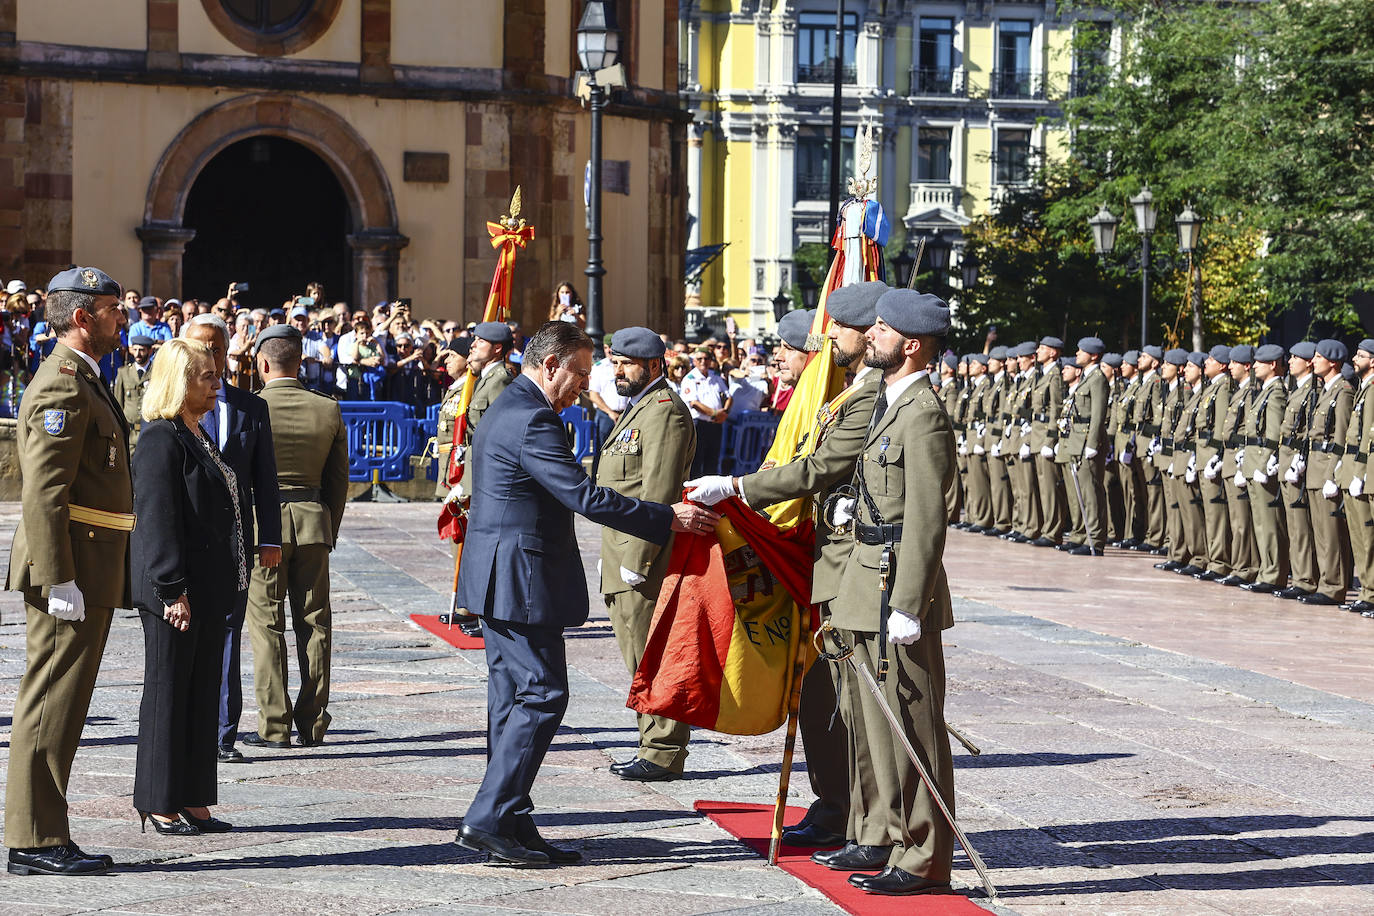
176 361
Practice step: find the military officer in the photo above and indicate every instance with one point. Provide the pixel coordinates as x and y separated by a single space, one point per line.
70 559
487 360
1123 449
1047 398
1302 402
1029 521
132 380
1243 554
1088 444
1176 394
1352 470
1147 415
1326 444
1184 470
994 408
979 501
905 468
1261 470
311 447
647 455
949 399
1075 535
959 415
1211 444
455 357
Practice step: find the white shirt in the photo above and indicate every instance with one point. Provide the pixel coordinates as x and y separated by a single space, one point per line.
894 389
747 394
645 390
602 381
95 366
708 389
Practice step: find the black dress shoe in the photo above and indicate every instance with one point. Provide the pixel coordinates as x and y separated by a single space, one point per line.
1083 550
1259 588
623 765
1207 575
209 824
1291 592
1067 546
470 626
810 836
646 771
894 882
975 529
1359 607
1189 570
1144 547
501 848
1113 543
993 532
1169 565
77 850
253 739
1319 599
307 741
1231 580
557 855
231 755
55 860
1130 544
853 857
1043 542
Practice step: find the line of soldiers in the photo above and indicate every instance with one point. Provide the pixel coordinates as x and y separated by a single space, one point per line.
1229 469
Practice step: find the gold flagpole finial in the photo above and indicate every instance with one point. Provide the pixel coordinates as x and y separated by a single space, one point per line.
512 220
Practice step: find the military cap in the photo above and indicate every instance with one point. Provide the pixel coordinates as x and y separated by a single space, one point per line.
141 340
496 332
460 345
90 280
1053 343
1153 352
1176 357
1272 353
637 343
795 327
950 360
998 353
1130 356
1197 358
300 310
1333 350
856 304
1303 349
1026 349
147 302
1221 353
1092 346
980 358
1112 359
1348 372
914 314
1367 345
1243 353
273 332
1066 362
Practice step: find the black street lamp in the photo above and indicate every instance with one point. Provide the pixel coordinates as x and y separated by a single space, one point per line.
1103 224
968 266
1144 206
781 304
937 256
902 267
598 47
809 290
1189 226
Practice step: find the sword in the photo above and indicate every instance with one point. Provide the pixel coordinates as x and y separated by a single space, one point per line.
844 653
1082 510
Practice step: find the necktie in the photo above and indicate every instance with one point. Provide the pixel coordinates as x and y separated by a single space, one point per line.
210 423
879 409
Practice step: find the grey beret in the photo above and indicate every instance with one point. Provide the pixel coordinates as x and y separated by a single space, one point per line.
1221 353
1176 357
1197 358
795 327
1244 353
1333 350
1130 356
914 314
1272 353
497 332
856 304
141 340
637 343
90 280
1367 346
980 358
1348 372
1152 351
273 332
1303 349
460 345
951 361
1112 359
1092 346
1066 362
1052 342
998 353
1026 349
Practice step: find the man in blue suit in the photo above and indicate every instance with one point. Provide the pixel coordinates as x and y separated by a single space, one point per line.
522 574
240 427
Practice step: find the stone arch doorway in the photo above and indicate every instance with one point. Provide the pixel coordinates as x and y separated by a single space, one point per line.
375 240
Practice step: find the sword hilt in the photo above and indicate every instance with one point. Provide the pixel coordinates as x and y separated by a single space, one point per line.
842 651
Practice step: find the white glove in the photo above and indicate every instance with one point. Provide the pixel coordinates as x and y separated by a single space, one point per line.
1259 477
1127 457
629 577
1047 452
459 451
1089 452
963 448
997 449
1240 457
1330 490
1271 467
1240 481
1024 452
1190 473
1213 468
844 512
1357 486
1055 452
1025 428
1295 468
979 450
1155 446
455 495
901 629
710 490
65 602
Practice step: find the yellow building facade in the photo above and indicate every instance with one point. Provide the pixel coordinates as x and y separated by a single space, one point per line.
958 93
182 144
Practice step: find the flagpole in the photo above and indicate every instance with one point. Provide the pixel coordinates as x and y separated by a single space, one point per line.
790 744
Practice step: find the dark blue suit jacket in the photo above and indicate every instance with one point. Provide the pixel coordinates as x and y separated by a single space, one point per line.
520 557
248 450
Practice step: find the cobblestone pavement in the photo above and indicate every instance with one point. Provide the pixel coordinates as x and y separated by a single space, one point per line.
1149 746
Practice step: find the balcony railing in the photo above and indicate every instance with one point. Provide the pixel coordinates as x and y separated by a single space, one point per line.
937 82
932 195
684 76
1016 84
813 187
825 73
1087 82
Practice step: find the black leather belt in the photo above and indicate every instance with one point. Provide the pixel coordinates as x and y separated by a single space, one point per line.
877 534
301 495
1352 449
1261 441
1166 443
1329 447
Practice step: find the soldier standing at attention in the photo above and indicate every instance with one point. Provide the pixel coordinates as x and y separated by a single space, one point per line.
1243 562
1211 443
978 493
1124 449
1074 536
1302 400
1353 469
1261 470
131 381
1326 444
490 348
1088 444
1147 416
1030 518
1047 397
646 455
995 397
312 474
949 398
71 561
455 362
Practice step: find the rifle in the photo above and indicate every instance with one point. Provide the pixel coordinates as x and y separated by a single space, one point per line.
1302 422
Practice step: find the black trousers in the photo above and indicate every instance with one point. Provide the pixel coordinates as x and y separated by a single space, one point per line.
706 459
178 720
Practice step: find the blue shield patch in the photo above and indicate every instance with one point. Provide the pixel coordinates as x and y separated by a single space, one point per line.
54 421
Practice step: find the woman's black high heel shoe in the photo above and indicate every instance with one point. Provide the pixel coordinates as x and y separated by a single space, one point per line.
207 824
177 827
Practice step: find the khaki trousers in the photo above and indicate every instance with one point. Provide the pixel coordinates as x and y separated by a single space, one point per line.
1092 481
890 804
1217 521
1360 519
302 578
1328 541
63 659
1050 485
1032 518
1115 505
1132 499
999 485
1156 518
1074 532
1271 539
661 741
1243 554
1018 495
1302 553
979 497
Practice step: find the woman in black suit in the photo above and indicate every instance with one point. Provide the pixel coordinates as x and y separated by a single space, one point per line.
187 555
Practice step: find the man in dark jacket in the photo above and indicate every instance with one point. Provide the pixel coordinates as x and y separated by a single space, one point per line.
523 575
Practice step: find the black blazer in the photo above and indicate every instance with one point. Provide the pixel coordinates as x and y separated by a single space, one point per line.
248 450
181 544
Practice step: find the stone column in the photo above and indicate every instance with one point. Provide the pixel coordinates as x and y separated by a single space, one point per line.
376 265
164 245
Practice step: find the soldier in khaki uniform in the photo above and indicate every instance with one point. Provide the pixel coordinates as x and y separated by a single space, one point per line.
1028 522
455 357
1326 444
1114 507
1210 445
995 396
1182 534
1302 402
1147 416
1353 469
1123 450
1047 399
1184 471
311 448
487 359
949 399
1260 469
131 381
906 467
1088 444
977 489
647 455
1243 554
70 558
1075 535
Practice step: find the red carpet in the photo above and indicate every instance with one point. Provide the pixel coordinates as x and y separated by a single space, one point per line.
753 824
451 635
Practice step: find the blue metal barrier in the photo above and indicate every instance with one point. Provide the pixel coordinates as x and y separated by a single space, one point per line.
581 424
745 442
382 435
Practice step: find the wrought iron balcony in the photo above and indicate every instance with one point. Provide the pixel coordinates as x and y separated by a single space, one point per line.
937 81
1087 82
824 72
1016 84
813 187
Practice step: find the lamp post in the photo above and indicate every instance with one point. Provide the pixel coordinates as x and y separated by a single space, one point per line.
937 256
968 267
1189 226
598 47
902 266
1144 206
781 304
809 290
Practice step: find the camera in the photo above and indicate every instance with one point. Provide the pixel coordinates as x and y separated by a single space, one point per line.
240 287
403 304
306 300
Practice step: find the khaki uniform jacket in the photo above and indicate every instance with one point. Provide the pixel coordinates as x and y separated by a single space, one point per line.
830 465
908 464
1326 432
1232 428
128 394
1170 408
1185 428
1047 399
489 386
1212 416
443 434
994 404
1124 439
311 446
73 450
949 397
1262 425
1088 427
1018 410
1296 416
975 416
647 456
1356 457
1148 409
